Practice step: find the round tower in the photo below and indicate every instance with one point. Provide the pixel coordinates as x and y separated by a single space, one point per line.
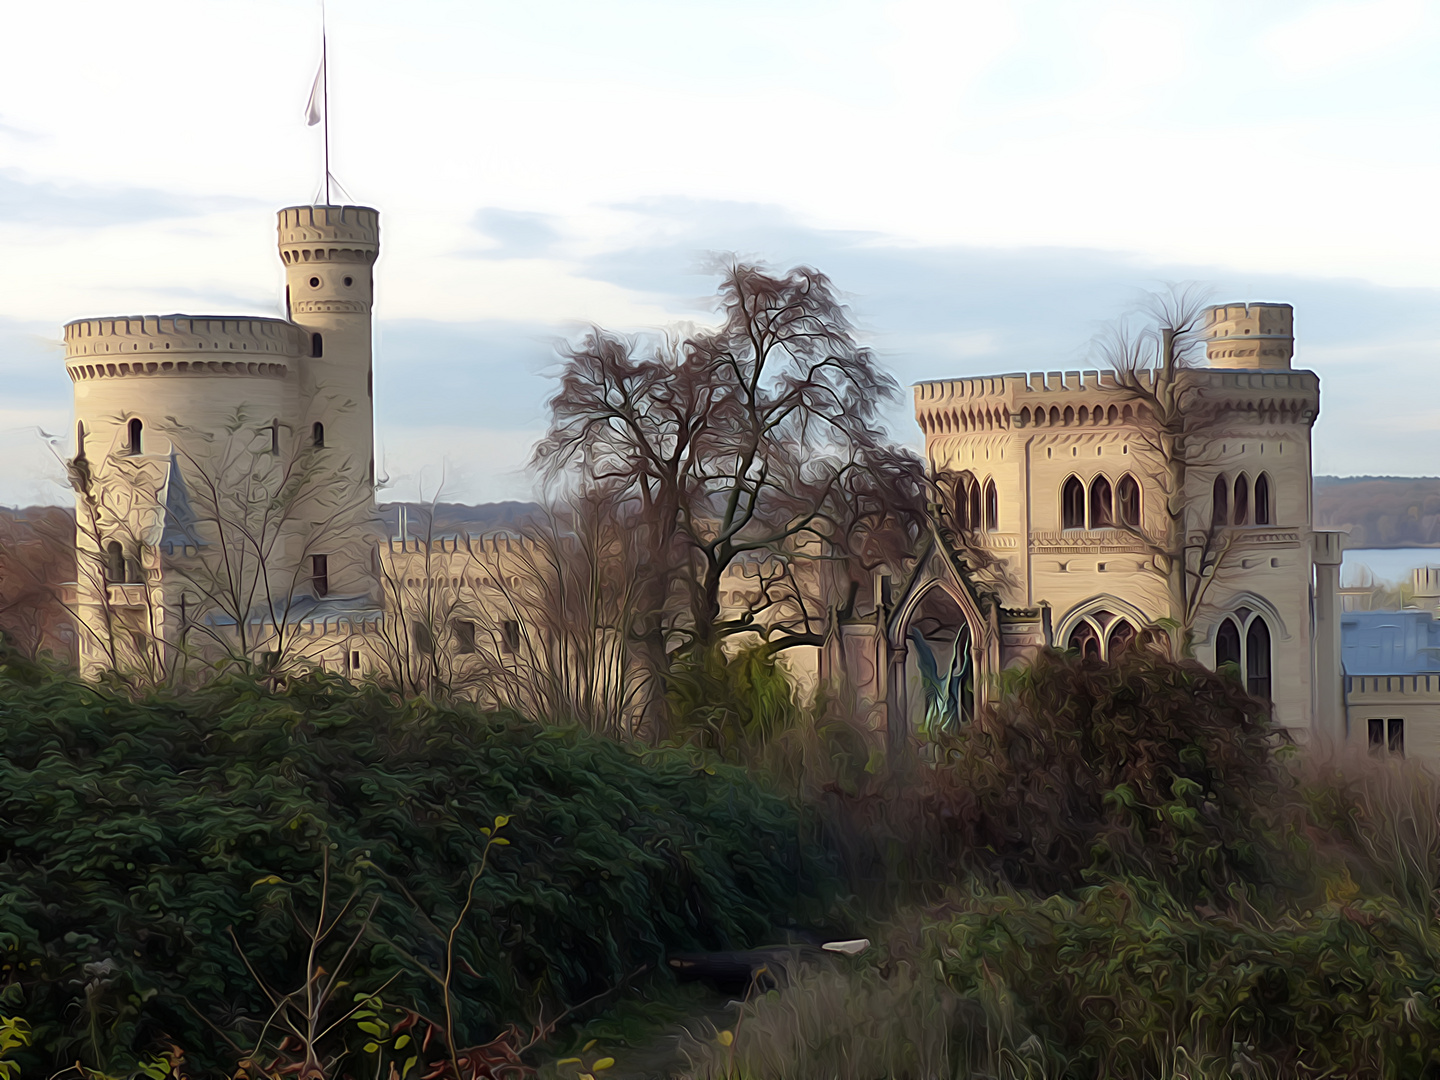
329 254
1255 337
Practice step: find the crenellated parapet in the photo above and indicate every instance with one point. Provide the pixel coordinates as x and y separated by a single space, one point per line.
154 344
329 234
1097 399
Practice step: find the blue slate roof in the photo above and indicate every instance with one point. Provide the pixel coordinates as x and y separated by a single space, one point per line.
1389 642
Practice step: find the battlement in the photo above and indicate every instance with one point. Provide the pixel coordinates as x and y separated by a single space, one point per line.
1089 398
329 234
108 347
1250 336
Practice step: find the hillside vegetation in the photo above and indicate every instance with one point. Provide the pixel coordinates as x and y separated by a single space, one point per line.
1380 511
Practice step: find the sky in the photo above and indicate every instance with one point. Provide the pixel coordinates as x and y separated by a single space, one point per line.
988 184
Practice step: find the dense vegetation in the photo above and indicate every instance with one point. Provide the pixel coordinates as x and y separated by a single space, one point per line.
1119 870
163 862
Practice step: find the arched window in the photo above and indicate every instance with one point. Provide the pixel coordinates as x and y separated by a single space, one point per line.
1085 641
1069 415
317 345
1262 500
317 434
1220 503
135 430
1257 659
1102 510
1121 635
79 439
962 505
1227 645
114 561
1072 504
1128 501
992 506
275 436
976 521
1242 500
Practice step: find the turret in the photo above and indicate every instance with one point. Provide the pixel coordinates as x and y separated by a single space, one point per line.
329 254
1250 336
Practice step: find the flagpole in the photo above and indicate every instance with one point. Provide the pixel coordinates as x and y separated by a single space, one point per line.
325 90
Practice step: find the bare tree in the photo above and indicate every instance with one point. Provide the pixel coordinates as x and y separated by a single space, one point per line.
1153 367
37 558
746 459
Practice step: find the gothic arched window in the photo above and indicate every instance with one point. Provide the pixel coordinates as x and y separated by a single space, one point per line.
976 521
1220 502
1072 504
1121 635
1242 500
1102 508
1263 510
1085 641
992 506
1227 645
962 505
1257 659
1128 501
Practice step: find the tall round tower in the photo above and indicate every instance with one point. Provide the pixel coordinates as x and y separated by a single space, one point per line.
329 254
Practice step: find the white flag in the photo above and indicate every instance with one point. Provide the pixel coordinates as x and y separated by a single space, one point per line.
315 108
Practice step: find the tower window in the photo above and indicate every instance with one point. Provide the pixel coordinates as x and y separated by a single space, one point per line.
1227 645
275 436
992 506
135 431
976 521
79 439
1257 659
464 636
509 635
114 561
314 282
1262 500
1219 502
1072 504
1242 500
317 345
317 434
1101 504
962 505
349 281
320 574
1128 499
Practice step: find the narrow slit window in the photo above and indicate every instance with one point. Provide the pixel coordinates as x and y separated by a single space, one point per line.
317 345
1263 510
320 574
992 506
135 434
317 434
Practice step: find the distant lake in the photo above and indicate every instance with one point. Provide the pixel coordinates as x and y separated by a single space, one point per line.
1387 564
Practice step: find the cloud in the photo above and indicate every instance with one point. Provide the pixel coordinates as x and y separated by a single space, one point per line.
27 201
516 234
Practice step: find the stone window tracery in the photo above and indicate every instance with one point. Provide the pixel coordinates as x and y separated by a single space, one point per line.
1101 504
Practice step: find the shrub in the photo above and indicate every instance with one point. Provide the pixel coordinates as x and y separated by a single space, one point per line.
139 835
1161 771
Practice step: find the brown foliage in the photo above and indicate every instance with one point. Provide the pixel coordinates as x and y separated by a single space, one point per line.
37 556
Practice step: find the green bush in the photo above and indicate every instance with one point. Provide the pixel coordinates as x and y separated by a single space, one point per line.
1160 771
151 848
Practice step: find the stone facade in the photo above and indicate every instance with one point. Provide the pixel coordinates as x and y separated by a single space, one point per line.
194 435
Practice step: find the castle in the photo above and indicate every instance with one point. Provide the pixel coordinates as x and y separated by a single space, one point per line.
225 483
